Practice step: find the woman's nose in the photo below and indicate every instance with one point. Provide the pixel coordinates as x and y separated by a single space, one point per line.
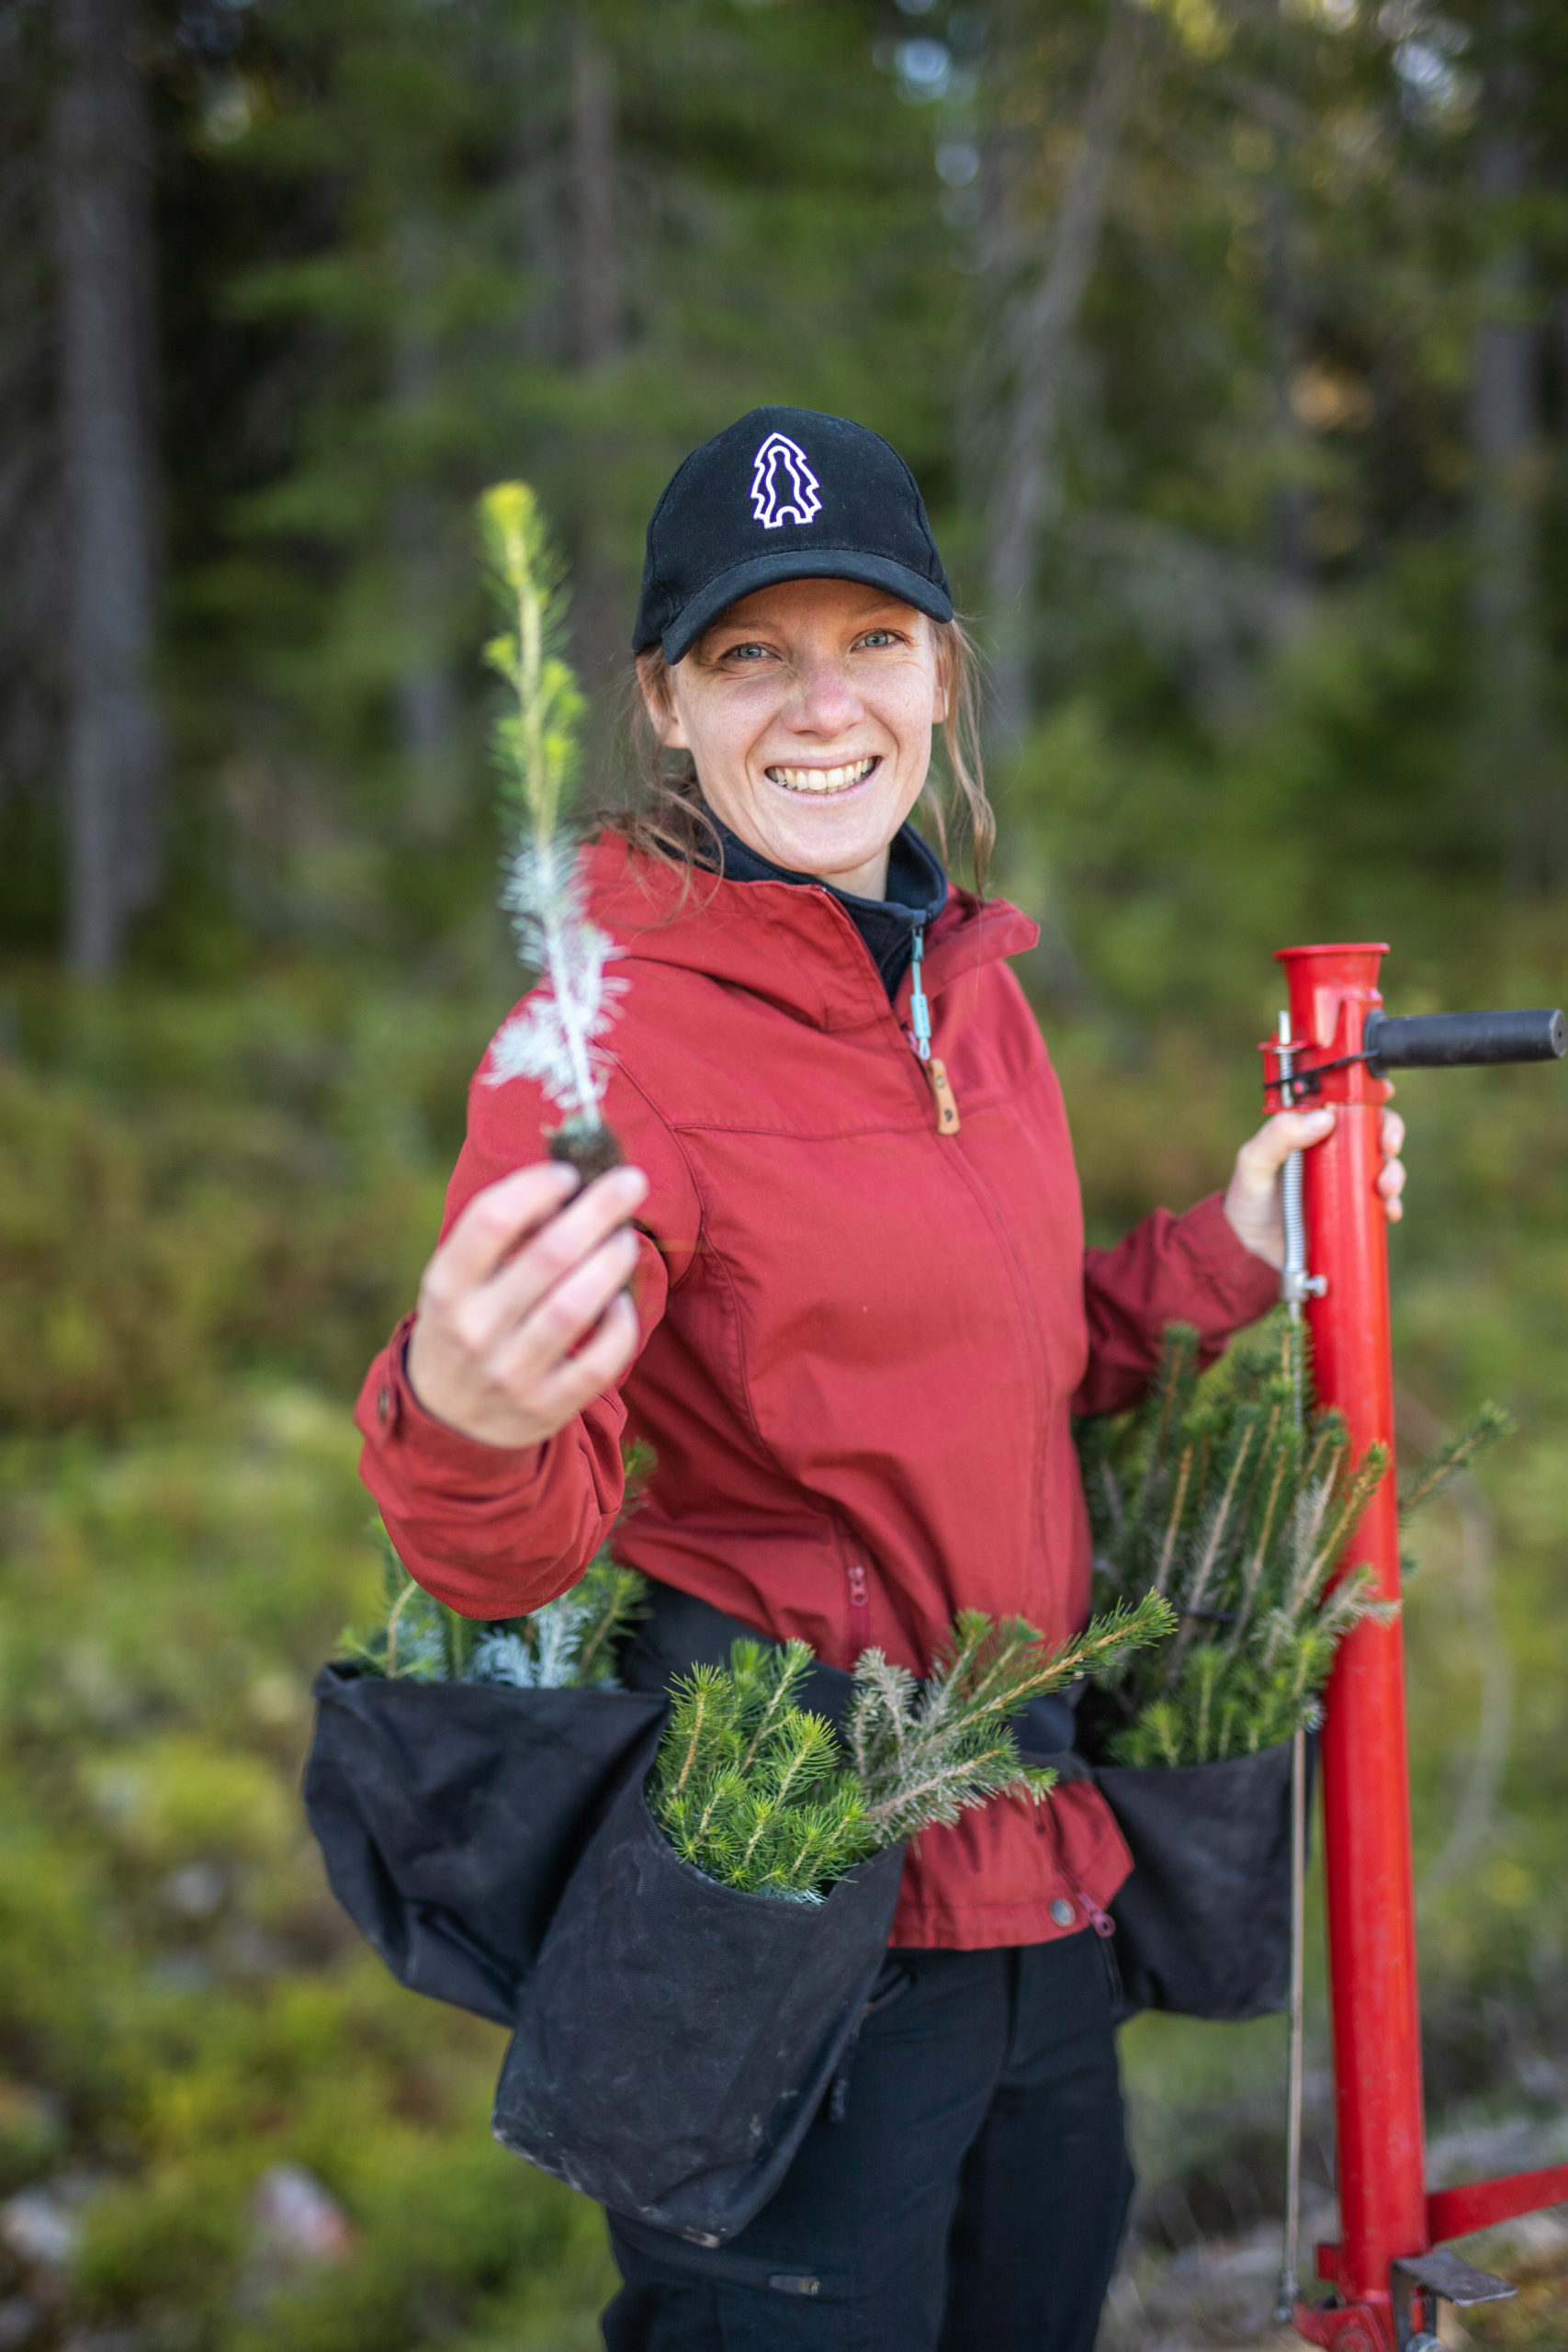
824 702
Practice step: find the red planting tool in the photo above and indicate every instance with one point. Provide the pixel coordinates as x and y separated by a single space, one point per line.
1333 1047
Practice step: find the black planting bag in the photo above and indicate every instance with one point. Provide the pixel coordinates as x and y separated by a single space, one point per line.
451 1815
676 2036
1203 1924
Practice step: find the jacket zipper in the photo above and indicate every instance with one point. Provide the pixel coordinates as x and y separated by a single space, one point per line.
920 1037
859 1611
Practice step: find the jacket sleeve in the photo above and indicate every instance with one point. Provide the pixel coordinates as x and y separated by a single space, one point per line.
1169 1268
498 1531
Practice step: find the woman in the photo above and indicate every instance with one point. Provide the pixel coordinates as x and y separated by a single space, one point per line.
863 1316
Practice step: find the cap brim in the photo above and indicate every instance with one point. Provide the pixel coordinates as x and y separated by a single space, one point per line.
727 588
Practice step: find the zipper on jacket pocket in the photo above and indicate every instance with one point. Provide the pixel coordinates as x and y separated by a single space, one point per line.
859 1611
947 1121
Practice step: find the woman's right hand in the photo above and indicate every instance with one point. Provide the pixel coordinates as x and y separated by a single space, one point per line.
532 1267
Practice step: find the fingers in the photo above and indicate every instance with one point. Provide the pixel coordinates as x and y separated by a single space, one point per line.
1391 1175
529 1350
497 1219
557 1254
522 1316
1264 1154
1260 1160
596 1366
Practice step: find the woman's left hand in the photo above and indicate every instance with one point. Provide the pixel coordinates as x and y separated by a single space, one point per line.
1252 1199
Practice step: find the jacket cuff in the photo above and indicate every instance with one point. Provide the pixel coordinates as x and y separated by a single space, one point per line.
1243 1286
428 1453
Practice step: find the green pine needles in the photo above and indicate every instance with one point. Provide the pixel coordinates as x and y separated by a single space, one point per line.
751 1788
534 745
755 1790
922 1753
1225 1498
569 1644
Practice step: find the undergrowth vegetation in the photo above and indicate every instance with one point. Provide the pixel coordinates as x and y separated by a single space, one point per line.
239 1190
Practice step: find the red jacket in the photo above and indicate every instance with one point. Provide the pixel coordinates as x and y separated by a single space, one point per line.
862 1339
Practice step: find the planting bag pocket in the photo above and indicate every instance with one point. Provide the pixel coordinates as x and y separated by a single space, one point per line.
677 2036
450 1817
1203 1924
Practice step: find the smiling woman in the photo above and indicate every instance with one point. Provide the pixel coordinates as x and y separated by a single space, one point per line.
818 689
863 1319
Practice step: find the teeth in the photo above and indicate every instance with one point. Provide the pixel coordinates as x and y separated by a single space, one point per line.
822 779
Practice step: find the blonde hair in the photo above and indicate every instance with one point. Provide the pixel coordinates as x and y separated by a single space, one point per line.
666 819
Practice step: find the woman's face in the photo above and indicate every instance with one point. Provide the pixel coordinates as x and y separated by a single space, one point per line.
808 711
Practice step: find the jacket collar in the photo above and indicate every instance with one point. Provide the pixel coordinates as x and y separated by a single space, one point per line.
916 893
791 943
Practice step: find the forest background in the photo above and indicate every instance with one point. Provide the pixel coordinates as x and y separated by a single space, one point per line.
1229 340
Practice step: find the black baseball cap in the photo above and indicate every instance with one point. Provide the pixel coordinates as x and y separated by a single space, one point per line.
784 493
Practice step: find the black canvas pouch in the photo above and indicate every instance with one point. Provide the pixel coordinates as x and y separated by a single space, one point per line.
450 1817
1203 1924
677 2036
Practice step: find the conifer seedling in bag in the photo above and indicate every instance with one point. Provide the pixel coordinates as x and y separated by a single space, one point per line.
458 1771
1232 1497
710 1960
1221 1496
1228 1497
759 1794
567 1645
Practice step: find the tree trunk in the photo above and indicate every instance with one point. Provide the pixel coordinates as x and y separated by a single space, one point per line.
1513 749
102 169
595 286
424 698
1042 339
1288 501
598 622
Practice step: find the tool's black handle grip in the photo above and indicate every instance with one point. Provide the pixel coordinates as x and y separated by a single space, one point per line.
1450 1040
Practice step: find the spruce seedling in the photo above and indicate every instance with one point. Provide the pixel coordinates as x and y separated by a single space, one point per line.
569 1644
756 1792
536 748
1214 1493
1486 1425
749 1787
922 1753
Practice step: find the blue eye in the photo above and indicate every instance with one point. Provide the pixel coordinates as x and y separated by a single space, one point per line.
746 653
881 636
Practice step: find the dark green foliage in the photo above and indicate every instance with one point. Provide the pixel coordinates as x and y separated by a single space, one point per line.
923 1753
749 1787
757 1793
569 1644
1219 1494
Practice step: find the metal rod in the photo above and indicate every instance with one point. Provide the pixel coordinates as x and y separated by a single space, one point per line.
1292 1289
1291 2263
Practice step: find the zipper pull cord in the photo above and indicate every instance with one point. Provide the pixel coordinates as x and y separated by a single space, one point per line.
920 1038
920 1008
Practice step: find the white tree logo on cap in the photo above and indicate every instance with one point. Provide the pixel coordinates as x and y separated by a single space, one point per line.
784 488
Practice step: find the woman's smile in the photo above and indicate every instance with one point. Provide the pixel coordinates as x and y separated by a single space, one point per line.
837 780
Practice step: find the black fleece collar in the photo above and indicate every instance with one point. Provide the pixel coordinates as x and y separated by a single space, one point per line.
916 893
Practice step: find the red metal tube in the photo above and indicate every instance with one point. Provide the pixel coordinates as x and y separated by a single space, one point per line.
1366 1792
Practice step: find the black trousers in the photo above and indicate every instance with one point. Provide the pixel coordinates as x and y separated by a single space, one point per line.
971 2197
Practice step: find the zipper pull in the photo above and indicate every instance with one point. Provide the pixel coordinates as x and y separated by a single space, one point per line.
1098 1919
947 1122
946 1108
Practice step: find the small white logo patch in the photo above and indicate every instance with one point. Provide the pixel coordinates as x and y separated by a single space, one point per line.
784 488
